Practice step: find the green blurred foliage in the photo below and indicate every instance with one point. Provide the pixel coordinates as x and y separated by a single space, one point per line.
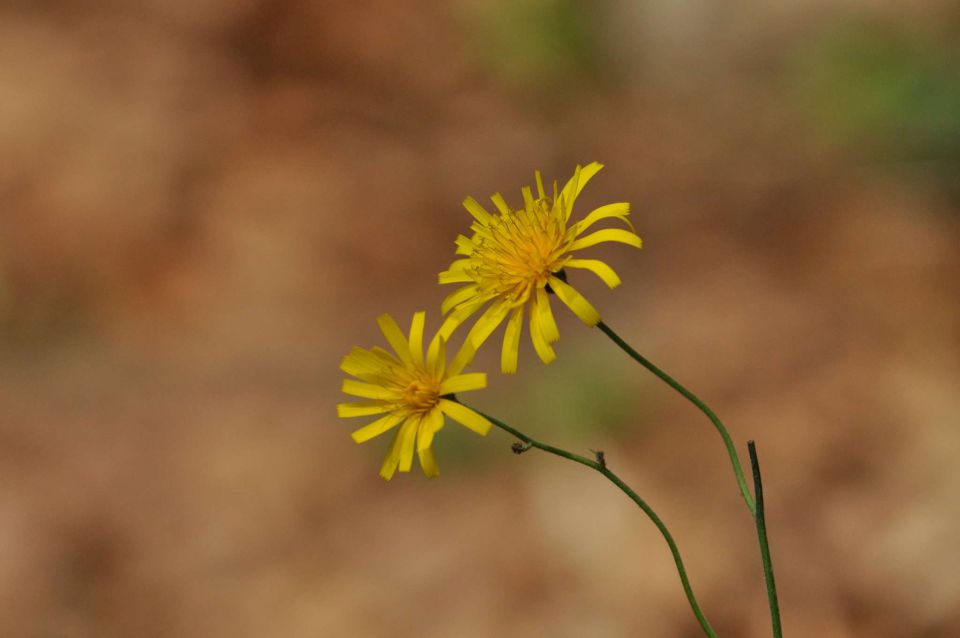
892 93
590 397
592 394
535 43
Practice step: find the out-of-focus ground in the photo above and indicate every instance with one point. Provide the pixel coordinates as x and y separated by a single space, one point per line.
204 205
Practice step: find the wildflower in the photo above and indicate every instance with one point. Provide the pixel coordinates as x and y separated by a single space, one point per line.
516 257
413 392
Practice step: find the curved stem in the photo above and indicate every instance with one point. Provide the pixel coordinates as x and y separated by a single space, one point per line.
600 466
764 545
692 398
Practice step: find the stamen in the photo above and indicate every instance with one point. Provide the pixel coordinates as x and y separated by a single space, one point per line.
421 395
520 250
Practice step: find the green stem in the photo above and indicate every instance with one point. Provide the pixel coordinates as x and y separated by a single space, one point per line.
600 465
764 545
692 398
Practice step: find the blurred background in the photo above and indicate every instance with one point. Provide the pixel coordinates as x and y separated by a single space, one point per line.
205 204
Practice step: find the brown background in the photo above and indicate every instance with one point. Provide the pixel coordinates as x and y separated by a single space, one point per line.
204 205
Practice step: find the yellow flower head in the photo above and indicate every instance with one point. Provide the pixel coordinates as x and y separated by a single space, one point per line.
412 393
516 257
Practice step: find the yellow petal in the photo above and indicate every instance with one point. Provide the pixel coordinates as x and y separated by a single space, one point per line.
363 364
465 416
540 192
618 211
367 390
437 357
408 437
428 462
464 245
547 323
429 425
392 459
462 359
576 183
456 273
575 301
500 203
416 337
458 315
385 356
478 211
480 232
511 342
607 234
569 190
527 197
544 351
464 383
363 408
459 264
448 277
457 297
395 337
597 267
377 428
487 323
478 334
453 320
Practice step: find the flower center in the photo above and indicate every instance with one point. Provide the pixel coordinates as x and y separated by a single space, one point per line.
421 395
519 251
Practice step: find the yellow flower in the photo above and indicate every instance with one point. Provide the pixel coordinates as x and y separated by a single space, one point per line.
411 391
515 258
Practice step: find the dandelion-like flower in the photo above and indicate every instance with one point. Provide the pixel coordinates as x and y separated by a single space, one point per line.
516 257
412 391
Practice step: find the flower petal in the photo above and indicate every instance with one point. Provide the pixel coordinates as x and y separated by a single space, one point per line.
416 337
429 425
597 267
363 408
457 297
540 344
437 357
428 462
450 277
576 184
408 437
575 301
500 203
459 314
539 178
479 212
487 323
607 234
456 273
481 330
363 364
392 459
395 337
527 197
464 245
547 323
377 428
462 359
619 211
384 356
453 320
511 342
464 383
465 416
367 390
